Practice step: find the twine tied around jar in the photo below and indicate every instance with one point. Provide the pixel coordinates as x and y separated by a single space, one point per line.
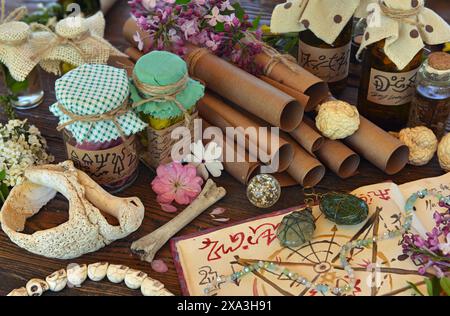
163 93
107 116
402 15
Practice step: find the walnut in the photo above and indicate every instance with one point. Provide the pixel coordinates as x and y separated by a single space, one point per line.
337 119
422 144
444 152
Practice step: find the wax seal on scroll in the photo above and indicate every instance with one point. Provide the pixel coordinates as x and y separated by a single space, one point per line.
263 191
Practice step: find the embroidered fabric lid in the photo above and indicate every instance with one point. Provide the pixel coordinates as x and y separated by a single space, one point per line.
94 91
164 69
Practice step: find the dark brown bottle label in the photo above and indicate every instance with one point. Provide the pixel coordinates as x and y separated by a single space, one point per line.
392 89
329 64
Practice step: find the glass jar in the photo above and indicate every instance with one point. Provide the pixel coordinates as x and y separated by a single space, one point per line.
328 62
112 164
29 92
386 92
87 7
358 32
431 104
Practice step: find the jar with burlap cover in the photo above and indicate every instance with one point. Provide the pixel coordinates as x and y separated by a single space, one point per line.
16 51
93 104
76 41
161 87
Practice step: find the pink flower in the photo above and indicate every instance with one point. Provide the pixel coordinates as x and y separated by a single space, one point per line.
189 28
214 17
231 20
175 182
226 6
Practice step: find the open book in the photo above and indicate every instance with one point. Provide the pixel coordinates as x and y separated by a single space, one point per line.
380 270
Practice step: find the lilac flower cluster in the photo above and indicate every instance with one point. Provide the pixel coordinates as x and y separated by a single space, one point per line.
432 252
214 24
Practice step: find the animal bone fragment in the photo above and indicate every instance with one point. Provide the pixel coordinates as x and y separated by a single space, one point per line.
87 230
148 245
116 273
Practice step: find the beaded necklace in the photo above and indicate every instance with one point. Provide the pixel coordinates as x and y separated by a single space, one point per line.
345 250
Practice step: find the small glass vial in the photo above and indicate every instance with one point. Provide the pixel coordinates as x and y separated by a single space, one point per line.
431 104
29 92
329 62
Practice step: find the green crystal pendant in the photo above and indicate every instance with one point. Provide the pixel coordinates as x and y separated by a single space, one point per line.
296 228
344 208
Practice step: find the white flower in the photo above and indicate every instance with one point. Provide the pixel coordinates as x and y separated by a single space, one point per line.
206 160
445 246
149 4
214 17
138 39
226 6
21 146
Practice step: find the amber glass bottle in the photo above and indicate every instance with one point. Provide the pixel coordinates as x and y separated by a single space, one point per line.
386 92
328 62
88 7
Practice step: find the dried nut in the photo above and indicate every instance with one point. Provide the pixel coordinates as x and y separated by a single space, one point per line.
134 278
97 271
36 287
422 144
116 273
18 292
57 281
151 287
337 119
76 274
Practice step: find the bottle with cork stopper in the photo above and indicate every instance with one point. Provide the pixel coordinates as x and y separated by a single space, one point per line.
431 103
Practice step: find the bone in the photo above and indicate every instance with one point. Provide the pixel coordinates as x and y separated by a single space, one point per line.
57 281
37 287
149 245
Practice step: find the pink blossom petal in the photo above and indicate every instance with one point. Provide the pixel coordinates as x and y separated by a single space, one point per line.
169 208
222 220
159 266
217 211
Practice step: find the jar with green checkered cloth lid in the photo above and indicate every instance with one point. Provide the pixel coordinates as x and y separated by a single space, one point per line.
98 124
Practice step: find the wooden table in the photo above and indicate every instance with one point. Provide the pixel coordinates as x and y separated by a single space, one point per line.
18 266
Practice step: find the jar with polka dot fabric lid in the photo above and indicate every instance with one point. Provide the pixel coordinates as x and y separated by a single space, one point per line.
98 124
392 48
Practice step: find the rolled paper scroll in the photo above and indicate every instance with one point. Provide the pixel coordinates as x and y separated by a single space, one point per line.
305 169
379 147
292 75
243 169
222 115
301 98
245 90
307 136
340 159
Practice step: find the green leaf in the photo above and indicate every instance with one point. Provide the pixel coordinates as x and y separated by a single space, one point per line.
415 288
445 285
4 190
182 2
256 23
433 286
2 175
220 27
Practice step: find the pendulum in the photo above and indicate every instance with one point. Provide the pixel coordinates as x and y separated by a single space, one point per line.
263 191
343 208
275 268
296 228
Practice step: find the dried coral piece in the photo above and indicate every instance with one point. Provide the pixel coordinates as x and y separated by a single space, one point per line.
87 230
422 144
